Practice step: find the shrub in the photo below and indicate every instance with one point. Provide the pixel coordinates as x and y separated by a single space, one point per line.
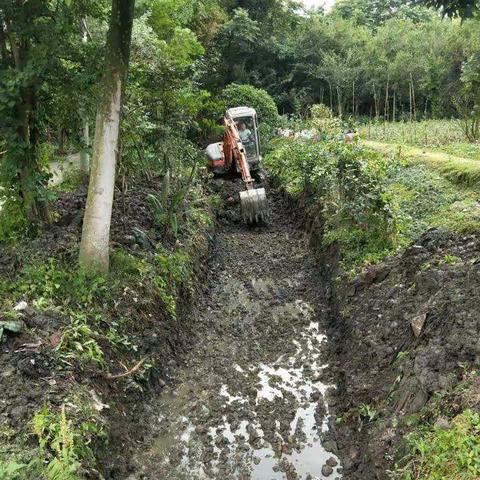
453 453
347 183
322 120
235 95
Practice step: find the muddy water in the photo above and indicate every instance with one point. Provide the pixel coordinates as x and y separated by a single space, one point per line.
250 401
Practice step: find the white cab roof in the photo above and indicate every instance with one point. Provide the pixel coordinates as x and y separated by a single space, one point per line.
241 112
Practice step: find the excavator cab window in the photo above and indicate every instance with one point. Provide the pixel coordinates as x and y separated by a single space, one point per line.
248 135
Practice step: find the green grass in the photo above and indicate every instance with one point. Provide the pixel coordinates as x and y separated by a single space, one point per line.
463 171
441 454
435 135
422 198
426 133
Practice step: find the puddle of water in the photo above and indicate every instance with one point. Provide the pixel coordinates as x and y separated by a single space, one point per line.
270 433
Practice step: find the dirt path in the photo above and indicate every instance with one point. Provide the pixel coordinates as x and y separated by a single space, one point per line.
249 402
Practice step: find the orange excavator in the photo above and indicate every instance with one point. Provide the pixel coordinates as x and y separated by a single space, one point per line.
239 153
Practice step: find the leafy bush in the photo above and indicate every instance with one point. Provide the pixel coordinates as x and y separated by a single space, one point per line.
235 95
452 453
347 183
323 121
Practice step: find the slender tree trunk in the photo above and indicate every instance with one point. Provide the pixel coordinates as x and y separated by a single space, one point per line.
94 247
387 100
84 155
331 96
394 112
410 99
413 98
340 101
375 100
353 98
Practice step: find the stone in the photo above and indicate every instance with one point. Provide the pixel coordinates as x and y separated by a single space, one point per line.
327 470
332 462
442 424
330 446
417 324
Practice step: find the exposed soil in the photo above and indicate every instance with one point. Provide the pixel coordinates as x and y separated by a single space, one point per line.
249 400
401 333
31 373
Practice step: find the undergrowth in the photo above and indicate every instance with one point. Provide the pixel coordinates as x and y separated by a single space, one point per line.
449 449
371 203
345 185
99 324
65 447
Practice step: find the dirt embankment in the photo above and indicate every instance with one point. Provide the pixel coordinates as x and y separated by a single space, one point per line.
401 333
34 373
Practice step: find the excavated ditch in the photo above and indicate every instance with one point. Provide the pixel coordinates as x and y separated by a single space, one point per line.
249 401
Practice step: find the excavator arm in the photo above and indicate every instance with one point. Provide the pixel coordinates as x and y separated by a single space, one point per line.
253 201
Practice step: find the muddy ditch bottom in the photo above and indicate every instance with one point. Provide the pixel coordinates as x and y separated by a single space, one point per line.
250 403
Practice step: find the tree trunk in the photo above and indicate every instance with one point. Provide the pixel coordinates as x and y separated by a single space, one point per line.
94 247
84 155
340 101
30 182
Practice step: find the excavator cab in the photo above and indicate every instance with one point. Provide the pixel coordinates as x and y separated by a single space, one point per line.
245 119
239 153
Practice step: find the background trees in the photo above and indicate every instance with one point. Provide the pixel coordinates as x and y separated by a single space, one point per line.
384 59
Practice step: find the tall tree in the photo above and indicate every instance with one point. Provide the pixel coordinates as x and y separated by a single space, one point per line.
94 247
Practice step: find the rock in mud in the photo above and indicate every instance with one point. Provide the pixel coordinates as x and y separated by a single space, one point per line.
327 470
442 424
332 462
418 323
330 446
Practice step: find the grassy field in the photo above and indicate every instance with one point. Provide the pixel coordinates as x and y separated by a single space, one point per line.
437 135
460 170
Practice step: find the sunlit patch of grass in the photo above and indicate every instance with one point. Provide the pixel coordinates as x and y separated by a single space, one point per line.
425 133
463 171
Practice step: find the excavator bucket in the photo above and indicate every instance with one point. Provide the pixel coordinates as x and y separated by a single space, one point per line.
253 205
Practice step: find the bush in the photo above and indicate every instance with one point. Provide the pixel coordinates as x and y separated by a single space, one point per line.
447 454
235 95
346 184
322 120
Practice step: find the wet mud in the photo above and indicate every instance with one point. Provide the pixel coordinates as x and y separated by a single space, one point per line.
249 401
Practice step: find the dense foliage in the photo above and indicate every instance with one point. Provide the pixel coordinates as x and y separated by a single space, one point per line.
191 58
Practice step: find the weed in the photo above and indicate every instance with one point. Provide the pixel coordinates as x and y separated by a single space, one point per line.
65 449
11 470
451 259
452 453
367 412
53 283
79 341
401 355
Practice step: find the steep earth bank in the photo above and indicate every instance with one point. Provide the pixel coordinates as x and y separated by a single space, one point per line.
95 353
403 340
